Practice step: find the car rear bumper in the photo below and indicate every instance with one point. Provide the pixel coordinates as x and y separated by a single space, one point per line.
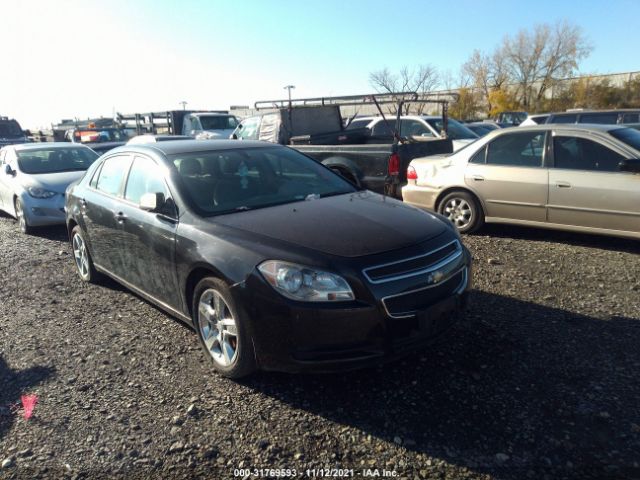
296 337
420 196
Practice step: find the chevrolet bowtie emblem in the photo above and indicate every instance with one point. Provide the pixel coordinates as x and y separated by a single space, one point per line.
435 277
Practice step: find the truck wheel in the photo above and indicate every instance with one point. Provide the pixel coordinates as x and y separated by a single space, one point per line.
346 174
463 210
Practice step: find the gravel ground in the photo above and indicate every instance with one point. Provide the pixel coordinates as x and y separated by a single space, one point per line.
542 383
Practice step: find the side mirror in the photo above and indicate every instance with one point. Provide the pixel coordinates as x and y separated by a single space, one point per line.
152 202
234 136
632 165
8 170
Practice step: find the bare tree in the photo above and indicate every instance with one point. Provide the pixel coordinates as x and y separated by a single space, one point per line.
422 79
538 58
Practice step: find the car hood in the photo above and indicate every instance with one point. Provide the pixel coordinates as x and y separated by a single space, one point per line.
350 225
54 182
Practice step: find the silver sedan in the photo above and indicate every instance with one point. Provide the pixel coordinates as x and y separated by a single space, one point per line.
571 177
34 177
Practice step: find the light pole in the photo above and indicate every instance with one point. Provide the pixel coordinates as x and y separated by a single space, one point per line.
289 87
184 104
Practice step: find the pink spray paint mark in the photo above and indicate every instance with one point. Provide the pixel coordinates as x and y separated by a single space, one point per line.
28 404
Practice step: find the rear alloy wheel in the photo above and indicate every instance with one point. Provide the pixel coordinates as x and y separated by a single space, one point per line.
462 209
82 257
220 329
23 223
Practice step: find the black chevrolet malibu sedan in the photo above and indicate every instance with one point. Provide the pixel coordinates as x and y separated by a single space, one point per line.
276 261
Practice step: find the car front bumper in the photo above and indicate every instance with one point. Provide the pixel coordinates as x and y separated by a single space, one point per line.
41 212
301 337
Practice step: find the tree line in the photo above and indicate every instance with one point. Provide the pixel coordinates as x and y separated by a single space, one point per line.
528 71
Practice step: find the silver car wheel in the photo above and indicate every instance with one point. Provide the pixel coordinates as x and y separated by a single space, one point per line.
81 256
22 221
459 212
217 327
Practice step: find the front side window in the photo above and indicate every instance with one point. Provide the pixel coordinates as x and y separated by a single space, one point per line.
383 128
218 122
575 153
413 128
249 129
55 160
455 129
517 149
479 156
144 177
232 180
112 173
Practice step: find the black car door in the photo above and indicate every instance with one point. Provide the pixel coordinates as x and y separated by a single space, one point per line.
149 237
99 206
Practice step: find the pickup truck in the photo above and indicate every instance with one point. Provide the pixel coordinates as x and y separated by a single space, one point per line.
315 127
11 132
201 124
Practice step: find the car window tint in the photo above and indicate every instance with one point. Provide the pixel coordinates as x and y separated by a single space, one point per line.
144 177
602 118
249 130
383 128
479 157
112 173
563 119
517 149
630 118
576 153
413 128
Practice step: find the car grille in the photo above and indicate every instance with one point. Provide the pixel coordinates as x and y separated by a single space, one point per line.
419 265
407 304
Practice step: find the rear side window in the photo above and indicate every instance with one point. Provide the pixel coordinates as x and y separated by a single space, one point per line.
517 149
144 177
630 118
602 118
383 128
112 173
574 153
413 128
563 119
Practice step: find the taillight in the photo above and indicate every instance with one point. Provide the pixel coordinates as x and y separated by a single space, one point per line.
394 164
411 173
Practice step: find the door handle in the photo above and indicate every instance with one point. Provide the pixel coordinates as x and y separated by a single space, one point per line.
477 178
563 185
120 217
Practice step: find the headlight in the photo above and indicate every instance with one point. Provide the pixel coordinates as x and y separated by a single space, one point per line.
37 192
305 284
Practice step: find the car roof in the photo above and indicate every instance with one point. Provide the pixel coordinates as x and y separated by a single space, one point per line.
612 110
173 147
593 127
47 145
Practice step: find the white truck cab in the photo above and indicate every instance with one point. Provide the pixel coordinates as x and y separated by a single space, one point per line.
209 125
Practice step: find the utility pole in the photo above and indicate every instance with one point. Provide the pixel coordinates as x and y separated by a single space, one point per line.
289 87
184 104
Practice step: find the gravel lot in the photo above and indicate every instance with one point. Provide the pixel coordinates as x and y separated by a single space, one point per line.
543 382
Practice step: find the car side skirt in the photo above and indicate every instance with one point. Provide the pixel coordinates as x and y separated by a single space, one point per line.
567 228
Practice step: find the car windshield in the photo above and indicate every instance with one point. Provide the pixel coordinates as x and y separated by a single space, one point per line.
100 135
54 160
218 122
630 136
455 131
10 129
235 180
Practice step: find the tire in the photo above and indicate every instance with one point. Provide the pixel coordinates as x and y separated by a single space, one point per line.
229 346
463 210
346 174
82 257
23 223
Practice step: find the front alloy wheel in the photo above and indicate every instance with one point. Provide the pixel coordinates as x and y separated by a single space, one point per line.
82 257
23 223
221 329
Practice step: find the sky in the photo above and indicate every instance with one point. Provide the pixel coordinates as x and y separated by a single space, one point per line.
66 59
